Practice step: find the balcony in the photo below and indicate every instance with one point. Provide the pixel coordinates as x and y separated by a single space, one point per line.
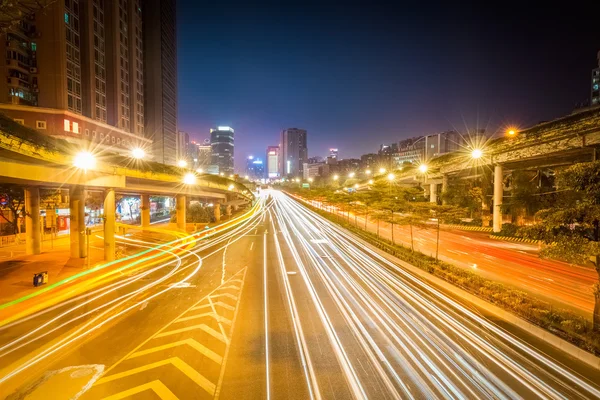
19 66
16 45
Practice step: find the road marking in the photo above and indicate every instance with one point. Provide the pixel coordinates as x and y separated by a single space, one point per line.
234 298
176 362
219 318
190 342
266 292
204 327
218 303
292 272
156 386
251 245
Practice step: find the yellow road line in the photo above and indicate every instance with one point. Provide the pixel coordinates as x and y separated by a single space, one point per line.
211 314
176 362
156 386
190 342
204 327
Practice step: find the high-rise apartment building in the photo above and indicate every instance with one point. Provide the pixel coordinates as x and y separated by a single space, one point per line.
273 159
75 70
333 153
160 59
221 143
255 168
595 98
203 153
294 151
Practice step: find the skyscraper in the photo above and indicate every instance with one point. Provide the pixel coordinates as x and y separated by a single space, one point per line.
294 151
255 168
221 143
183 147
595 100
273 160
160 61
75 71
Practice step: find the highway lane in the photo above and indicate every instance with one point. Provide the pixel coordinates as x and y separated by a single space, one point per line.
394 336
517 264
31 347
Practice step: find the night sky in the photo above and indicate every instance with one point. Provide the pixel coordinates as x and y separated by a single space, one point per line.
356 75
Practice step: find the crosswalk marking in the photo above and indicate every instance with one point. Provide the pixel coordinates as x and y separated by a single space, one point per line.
156 386
190 342
204 327
176 362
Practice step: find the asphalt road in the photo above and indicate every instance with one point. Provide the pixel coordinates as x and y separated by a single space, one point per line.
284 306
568 286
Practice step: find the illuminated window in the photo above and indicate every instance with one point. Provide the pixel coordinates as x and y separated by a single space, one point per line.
40 124
33 46
67 125
67 18
75 127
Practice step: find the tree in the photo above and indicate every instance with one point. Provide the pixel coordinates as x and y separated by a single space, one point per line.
572 225
14 201
440 214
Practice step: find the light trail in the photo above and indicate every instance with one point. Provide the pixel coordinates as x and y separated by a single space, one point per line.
417 340
266 317
231 235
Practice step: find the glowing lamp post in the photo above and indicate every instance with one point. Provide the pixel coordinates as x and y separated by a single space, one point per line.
84 160
182 163
189 178
476 154
138 153
423 168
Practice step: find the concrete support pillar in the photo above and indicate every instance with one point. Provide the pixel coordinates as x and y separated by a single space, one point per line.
33 227
145 210
433 192
77 221
180 205
109 224
444 188
217 211
498 193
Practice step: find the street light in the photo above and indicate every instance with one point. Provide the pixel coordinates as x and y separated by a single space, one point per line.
511 132
230 187
222 173
423 168
189 178
200 170
84 160
368 172
182 163
370 181
356 186
335 177
138 153
246 177
476 153
310 179
391 177
351 175
382 170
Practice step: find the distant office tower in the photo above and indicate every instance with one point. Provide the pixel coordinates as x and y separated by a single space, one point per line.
76 70
255 168
160 69
203 155
294 151
273 160
221 143
333 153
596 84
183 147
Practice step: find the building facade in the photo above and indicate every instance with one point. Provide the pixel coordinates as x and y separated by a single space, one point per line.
273 162
203 151
315 170
160 61
255 168
221 143
595 96
333 153
183 147
76 71
294 151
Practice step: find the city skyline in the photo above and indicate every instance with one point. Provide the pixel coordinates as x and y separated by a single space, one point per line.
325 88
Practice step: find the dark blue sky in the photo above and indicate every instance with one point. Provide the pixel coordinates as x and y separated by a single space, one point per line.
356 74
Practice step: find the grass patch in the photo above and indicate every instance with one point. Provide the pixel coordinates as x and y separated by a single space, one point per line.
563 323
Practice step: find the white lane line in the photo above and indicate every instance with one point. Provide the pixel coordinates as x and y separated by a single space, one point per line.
251 246
267 372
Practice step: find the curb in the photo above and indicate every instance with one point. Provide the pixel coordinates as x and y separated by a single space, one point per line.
468 228
514 239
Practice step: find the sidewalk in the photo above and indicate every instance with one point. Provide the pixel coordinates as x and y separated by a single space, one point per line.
17 269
